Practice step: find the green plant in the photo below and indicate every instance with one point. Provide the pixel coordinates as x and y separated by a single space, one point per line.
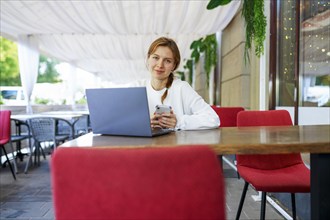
207 46
41 101
323 80
255 20
1 101
81 101
255 29
253 13
215 3
189 65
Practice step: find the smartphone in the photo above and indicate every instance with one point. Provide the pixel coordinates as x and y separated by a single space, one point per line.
163 109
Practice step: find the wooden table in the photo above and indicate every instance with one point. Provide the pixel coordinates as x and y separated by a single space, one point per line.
314 139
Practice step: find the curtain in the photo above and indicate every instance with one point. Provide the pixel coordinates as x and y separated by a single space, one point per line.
28 58
110 38
72 71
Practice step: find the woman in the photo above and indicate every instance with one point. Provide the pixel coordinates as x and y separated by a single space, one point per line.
188 109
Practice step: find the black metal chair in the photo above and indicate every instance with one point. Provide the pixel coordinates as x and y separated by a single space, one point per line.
81 126
64 128
20 132
44 130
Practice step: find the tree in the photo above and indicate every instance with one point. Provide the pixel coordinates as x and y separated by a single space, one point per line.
47 70
9 69
9 66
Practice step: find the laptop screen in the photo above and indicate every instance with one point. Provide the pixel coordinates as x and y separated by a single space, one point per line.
119 111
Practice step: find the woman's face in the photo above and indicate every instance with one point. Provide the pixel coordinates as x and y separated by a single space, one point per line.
161 63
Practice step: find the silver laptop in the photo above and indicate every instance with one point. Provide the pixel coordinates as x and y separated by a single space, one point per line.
121 111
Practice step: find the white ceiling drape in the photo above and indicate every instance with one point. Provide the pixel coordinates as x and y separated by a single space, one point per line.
111 38
28 57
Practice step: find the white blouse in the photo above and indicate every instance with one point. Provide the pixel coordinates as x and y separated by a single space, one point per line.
191 111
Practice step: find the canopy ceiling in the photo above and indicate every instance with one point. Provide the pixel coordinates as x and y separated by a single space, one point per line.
111 38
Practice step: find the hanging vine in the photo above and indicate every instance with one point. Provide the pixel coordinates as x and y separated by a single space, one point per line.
255 20
253 13
255 30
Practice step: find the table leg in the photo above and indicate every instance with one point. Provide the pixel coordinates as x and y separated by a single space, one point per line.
320 186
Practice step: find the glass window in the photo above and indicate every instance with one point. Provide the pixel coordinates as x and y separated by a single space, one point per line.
315 53
286 57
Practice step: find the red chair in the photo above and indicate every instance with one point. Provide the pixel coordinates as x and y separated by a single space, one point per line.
285 173
5 136
228 118
150 183
227 115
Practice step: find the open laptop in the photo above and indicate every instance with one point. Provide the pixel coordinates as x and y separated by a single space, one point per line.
121 111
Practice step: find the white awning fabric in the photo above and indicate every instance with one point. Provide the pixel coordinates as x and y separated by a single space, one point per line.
111 38
28 57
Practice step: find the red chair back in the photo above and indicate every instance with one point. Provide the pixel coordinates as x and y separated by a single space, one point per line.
266 118
150 183
227 115
5 131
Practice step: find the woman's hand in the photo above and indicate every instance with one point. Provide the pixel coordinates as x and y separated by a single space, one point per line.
164 120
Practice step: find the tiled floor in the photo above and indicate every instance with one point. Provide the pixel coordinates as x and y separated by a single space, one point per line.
29 197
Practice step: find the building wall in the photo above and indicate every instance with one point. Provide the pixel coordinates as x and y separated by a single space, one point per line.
200 81
239 80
